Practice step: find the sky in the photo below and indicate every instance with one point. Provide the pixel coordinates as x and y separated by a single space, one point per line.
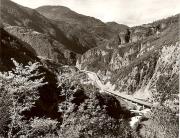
129 12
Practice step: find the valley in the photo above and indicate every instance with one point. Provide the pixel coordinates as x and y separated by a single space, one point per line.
67 75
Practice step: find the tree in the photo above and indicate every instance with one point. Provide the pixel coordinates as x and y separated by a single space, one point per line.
21 87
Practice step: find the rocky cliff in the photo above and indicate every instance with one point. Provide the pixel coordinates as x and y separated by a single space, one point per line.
132 59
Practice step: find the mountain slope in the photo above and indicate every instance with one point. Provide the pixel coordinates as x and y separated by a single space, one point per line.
78 33
43 45
13 14
84 30
16 15
11 47
115 27
131 65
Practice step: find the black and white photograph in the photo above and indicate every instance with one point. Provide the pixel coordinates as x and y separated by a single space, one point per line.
89 68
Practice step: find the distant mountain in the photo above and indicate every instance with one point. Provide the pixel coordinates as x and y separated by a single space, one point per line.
84 30
75 32
61 13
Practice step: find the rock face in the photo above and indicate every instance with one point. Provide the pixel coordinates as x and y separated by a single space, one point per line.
139 33
133 62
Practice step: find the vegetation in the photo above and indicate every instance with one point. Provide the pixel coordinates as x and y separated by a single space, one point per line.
162 124
20 89
85 112
89 119
164 120
165 82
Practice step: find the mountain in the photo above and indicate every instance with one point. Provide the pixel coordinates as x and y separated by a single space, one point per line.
84 30
133 60
100 76
13 14
74 32
17 15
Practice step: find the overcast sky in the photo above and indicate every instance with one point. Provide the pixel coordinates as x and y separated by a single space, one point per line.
129 12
